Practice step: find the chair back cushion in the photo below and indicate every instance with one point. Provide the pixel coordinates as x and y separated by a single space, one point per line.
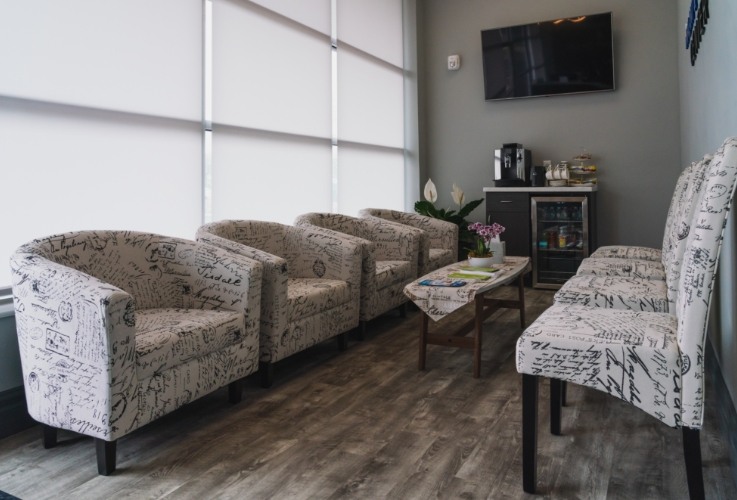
685 200
442 234
698 274
147 266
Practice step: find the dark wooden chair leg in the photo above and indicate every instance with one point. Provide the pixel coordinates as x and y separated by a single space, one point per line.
563 392
529 433
105 456
342 342
521 298
692 454
266 371
556 398
235 391
48 436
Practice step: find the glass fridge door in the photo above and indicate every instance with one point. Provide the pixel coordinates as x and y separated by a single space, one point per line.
560 238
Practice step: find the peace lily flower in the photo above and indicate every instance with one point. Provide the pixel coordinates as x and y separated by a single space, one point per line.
427 208
457 194
431 193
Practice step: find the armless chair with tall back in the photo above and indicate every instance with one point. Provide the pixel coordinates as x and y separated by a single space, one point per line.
653 360
639 284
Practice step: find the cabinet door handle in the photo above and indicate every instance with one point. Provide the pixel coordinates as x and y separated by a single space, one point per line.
505 201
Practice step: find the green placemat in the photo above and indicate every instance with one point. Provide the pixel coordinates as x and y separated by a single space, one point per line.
469 276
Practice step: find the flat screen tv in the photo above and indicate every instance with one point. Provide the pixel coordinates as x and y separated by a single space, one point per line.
561 56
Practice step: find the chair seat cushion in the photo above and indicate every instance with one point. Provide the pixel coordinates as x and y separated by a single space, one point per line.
168 337
309 296
631 355
391 272
623 268
614 293
628 252
440 257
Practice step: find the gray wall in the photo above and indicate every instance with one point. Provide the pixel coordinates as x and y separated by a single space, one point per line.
633 132
709 115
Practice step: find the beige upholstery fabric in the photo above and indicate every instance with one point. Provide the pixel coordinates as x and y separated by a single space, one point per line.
167 337
625 273
389 254
117 328
653 360
438 245
311 286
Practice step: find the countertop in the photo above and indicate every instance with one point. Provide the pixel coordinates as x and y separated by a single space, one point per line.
547 189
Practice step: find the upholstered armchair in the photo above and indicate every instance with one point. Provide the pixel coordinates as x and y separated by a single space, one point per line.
654 361
118 328
438 246
389 253
311 285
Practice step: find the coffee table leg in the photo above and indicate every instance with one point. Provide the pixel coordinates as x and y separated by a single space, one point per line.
423 342
522 300
477 336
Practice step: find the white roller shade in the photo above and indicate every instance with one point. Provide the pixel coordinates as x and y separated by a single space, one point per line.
269 177
135 55
370 178
268 72
65 169
312 13
374 26
370 101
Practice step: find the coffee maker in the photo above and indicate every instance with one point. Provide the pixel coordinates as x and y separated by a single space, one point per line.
512 166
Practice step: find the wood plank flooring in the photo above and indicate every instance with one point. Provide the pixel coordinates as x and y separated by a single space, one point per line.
365 423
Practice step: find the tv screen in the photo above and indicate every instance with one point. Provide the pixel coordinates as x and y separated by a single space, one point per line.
561 56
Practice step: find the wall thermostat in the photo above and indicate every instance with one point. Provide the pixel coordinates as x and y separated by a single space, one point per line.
454 62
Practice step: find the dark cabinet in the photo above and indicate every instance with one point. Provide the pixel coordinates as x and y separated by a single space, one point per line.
511 210
557 228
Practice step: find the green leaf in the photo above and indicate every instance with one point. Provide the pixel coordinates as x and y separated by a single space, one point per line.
424 207
469 207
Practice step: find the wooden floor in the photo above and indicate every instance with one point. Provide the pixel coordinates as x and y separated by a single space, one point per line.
365 423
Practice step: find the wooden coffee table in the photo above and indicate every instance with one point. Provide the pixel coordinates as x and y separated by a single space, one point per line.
437 302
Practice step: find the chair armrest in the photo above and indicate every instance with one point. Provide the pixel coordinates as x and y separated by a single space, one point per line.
273 287
76 336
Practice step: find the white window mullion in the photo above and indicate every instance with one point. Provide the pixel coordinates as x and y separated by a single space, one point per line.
207 113
334 102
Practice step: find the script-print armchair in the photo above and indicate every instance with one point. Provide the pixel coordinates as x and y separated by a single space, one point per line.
439 244
655 361
389 258
118 328
311 285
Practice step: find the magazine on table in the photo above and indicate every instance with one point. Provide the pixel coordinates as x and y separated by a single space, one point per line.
454 283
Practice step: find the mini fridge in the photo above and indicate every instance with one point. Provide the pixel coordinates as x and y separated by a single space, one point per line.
560 238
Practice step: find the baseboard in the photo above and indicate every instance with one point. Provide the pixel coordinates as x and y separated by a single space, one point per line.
726 412
13 414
